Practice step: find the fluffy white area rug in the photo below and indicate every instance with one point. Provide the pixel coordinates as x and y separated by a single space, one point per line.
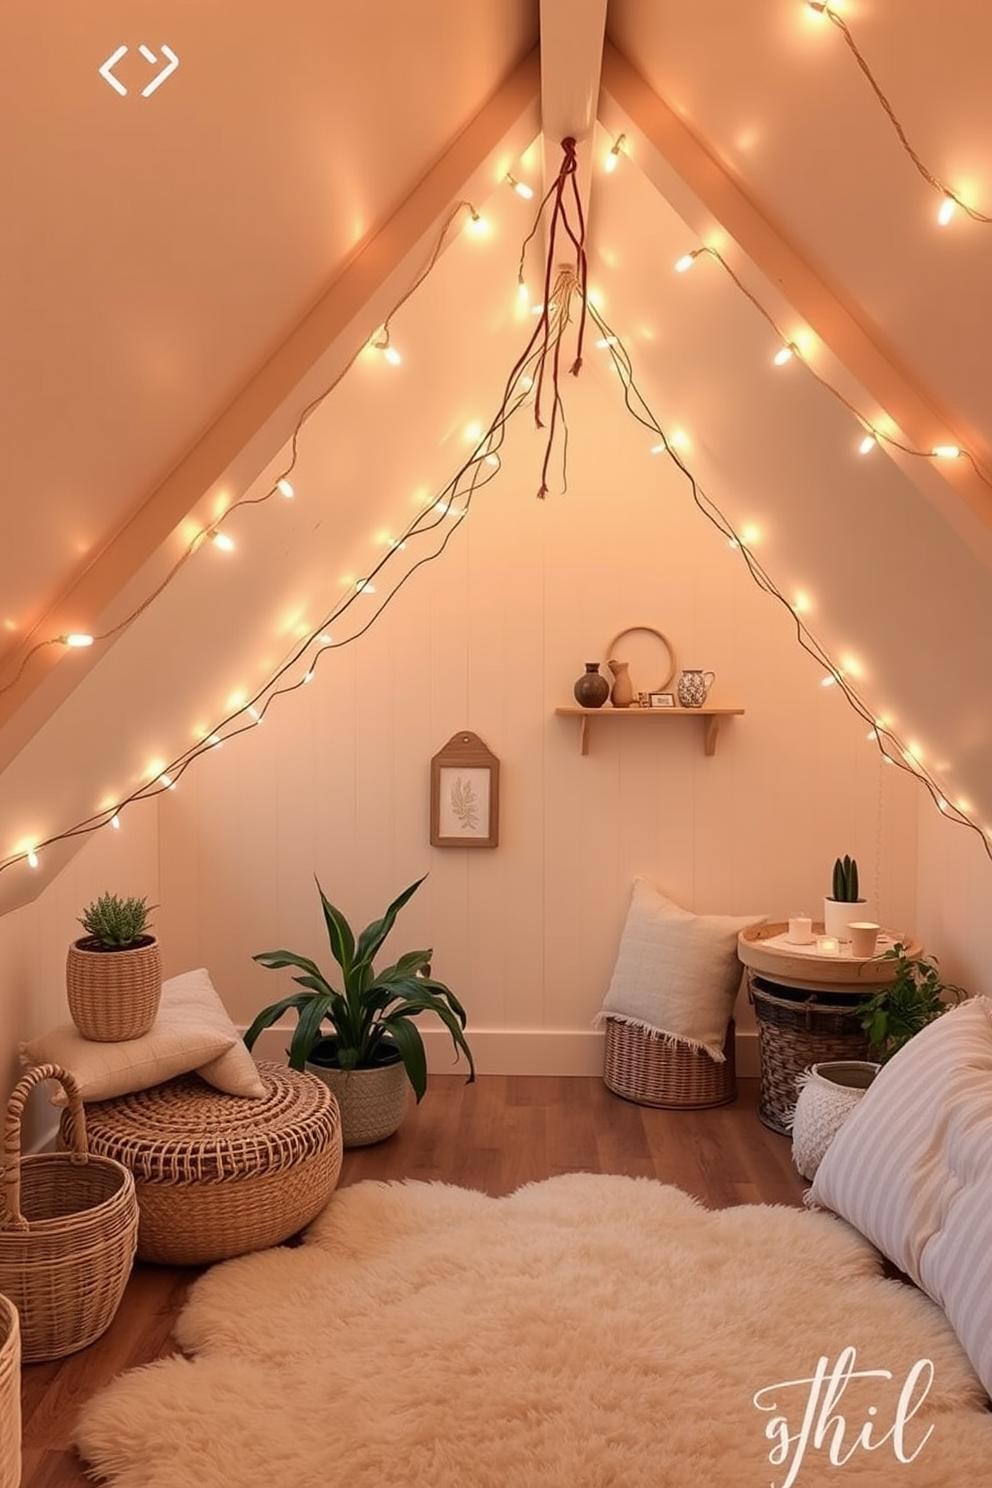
583 1332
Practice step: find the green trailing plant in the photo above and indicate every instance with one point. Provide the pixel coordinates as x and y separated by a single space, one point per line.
899 1009
116 923
845 880
367 1010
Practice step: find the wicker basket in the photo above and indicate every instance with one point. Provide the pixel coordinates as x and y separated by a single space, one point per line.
653 1071
795 1032
10 1395
68 1228
113 995
218 1175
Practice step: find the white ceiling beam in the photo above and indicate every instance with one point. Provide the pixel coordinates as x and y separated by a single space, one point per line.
572 35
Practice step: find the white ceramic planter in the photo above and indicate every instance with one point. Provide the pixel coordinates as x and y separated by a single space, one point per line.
828 1094
838 914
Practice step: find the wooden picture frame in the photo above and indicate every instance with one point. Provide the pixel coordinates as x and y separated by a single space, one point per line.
464 794
661 700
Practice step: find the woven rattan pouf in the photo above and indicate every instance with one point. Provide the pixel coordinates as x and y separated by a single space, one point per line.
218 1175
652 1071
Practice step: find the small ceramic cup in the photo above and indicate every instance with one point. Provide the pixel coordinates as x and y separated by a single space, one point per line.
864 937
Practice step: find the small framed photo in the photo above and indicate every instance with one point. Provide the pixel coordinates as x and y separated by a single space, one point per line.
661 699
464 794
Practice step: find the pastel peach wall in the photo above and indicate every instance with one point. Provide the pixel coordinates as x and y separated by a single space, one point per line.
954 889
491 638
33 941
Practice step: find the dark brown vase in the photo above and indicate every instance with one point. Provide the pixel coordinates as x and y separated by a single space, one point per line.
592 688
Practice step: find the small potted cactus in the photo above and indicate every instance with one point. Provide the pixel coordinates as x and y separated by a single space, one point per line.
838 906
114 973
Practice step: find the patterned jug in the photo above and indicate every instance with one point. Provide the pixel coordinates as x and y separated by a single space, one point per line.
694 685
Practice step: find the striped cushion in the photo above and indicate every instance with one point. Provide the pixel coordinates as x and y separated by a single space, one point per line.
911 1168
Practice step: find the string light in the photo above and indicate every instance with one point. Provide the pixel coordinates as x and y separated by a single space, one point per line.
222 541
77 640
687 260
886 740
285 488
32 857
941 451
950 200
867 444
520 187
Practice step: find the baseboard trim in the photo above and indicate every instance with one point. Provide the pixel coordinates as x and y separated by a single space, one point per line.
519 1051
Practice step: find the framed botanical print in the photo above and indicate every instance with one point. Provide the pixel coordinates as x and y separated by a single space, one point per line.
464 794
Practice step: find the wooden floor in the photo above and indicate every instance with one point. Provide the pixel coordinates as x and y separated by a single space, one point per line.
495 1135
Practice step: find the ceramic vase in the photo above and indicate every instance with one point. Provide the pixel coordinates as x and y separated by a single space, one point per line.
694 685
592 688
622 691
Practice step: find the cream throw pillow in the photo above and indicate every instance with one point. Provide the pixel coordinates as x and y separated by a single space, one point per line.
677 973
911 1168
191 1032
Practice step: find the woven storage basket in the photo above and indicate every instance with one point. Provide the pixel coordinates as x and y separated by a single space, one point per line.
828 1093
10 1395
113 995
218 1175
793 1034
646 1068
68 1228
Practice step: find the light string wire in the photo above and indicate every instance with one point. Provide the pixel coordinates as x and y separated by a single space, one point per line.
877 434
890 113
891 748
380 342
475 473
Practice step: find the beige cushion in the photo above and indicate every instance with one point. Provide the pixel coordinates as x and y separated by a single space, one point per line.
676 973
191 1032
911 1168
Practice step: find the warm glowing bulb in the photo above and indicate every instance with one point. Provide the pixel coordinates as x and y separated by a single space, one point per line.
392 355
284 486
523 293
115 822
606 341
364 587
308 676
521 188
492 459
324 638
167 781
946 211
685 262
828 681
77 639
32 859
945 451
222 541
478 224
781 357
614 155
254 713
867 444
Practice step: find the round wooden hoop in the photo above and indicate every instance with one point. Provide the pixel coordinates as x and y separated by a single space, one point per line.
647 630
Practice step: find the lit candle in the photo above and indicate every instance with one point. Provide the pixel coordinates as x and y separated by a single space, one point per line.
827 945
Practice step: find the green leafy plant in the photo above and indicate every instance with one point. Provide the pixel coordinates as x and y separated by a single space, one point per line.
114 922
845 880
899 1009
368 1010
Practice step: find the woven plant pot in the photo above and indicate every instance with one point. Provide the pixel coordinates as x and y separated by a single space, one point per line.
373 1102
68 1230
828 1093
10 1395
113 994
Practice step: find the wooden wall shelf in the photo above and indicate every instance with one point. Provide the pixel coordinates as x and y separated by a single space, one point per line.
710 719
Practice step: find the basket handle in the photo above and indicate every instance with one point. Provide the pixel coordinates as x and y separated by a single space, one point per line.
11 1216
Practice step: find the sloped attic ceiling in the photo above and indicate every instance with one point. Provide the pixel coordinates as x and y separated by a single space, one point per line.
184 272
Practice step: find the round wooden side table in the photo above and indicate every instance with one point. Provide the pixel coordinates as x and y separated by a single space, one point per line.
806 1007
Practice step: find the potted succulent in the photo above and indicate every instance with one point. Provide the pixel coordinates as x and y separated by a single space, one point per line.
373 1054
838 909
899 1009
113 973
